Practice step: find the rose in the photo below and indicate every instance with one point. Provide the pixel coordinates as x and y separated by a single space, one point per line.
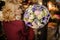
37 12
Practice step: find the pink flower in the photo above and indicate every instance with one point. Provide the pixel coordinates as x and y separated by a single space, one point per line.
37 12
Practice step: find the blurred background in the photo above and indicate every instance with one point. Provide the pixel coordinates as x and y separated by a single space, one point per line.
53 32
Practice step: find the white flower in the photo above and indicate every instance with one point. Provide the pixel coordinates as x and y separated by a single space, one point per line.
31 17
40 15
45 12
30 20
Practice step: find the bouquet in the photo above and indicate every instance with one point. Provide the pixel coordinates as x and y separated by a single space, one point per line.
36 16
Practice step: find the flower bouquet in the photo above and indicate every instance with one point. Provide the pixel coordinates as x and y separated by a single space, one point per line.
36 16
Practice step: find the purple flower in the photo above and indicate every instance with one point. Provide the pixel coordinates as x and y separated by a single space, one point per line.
29 24
48 15
33 9
43 18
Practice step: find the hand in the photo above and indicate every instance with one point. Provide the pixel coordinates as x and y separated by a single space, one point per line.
34 25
